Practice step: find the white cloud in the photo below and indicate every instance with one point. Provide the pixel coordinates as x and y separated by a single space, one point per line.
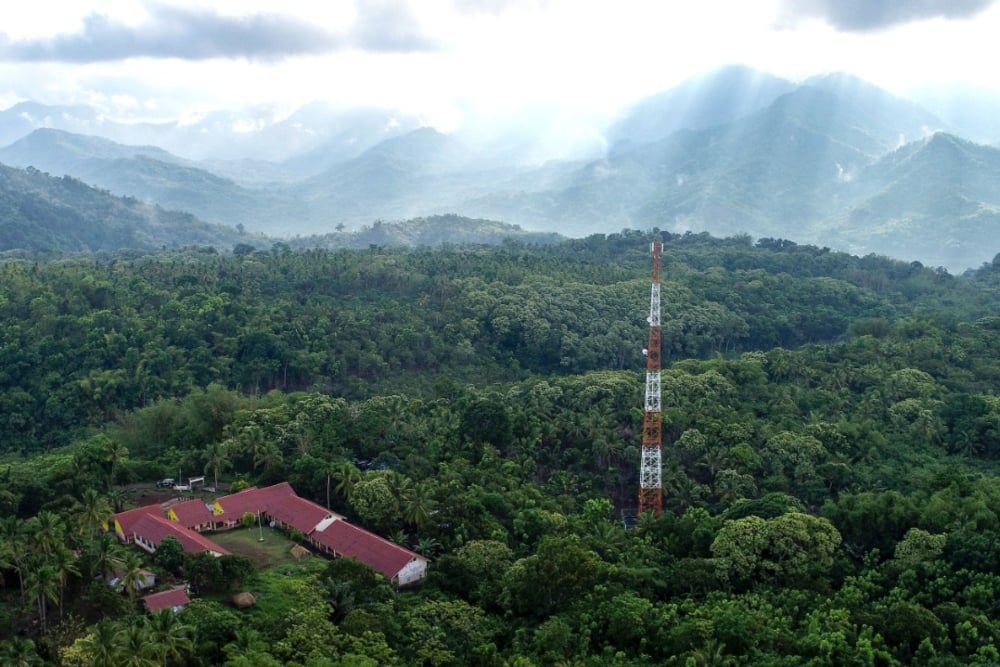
581 60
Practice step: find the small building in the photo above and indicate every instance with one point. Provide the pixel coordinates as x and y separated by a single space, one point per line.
145 580
175 599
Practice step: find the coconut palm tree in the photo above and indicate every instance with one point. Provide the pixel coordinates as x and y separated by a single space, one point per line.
103 648
134 646
346 476
246 642
417 504
43 585
18 652
65 564
329 468
114 453
14 536
713 654
48 532
104 555
93 512
8 556
216 460
132 576
118 497
171 638
266 455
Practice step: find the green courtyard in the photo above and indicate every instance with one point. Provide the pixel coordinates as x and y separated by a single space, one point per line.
266 547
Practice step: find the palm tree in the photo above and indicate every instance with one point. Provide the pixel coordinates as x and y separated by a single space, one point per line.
118 497
104 648
266 455
18 652
606 450
427 546
346 475
105 555
64 563
114 453
13 535
47 532
8 502
246 642
713 654
417 505
6 557
170 637
216 459
247 441
132 576
134 646
43 585
93 513
329 469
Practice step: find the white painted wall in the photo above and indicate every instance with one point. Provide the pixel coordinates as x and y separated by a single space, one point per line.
412 572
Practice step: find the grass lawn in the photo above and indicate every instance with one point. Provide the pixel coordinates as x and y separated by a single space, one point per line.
277 585
275 549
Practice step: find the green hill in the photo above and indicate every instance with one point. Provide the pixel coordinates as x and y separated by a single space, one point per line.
39 212
430 231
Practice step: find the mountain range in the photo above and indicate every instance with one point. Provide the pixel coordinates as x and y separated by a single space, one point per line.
832 161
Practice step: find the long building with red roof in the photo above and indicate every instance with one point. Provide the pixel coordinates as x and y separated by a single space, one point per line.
151 530
399 565
327 531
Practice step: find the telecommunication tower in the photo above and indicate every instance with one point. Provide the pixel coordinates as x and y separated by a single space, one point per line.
650 480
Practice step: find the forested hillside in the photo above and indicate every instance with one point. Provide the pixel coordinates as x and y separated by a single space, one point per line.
830 439
41 213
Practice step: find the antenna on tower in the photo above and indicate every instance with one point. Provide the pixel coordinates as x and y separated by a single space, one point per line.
650 471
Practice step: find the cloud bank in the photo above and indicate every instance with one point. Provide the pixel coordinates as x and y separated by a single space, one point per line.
874 15
197 34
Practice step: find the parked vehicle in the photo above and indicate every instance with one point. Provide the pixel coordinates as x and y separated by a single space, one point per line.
166 483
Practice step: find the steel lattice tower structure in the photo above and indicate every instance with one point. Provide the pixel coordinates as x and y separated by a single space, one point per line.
650 480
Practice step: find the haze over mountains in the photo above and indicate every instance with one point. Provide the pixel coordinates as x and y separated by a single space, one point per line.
832 161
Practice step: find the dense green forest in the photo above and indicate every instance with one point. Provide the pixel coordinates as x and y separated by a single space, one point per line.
831 427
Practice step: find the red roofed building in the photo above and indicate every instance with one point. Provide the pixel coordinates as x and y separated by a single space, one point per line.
175 598
229 510
193 514
278 502
149 531
125 521
299 514
402 566
327 531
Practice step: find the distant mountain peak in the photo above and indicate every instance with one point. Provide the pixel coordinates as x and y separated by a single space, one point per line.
716 98
424 147
38 110
59 151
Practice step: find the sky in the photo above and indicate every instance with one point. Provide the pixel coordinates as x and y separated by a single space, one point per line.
458 62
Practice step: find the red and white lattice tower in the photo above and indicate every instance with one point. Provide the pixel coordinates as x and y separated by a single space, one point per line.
650 481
